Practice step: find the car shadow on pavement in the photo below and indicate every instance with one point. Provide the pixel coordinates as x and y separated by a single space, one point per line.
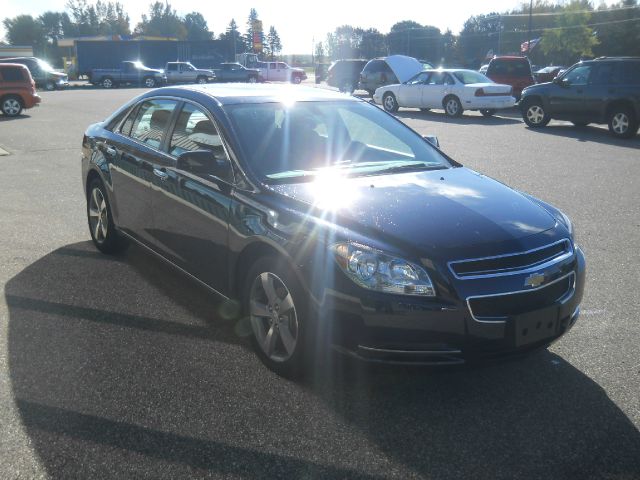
121 367
465 119
587 134
22 116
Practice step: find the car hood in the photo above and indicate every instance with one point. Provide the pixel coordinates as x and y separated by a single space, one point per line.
404 67
434 211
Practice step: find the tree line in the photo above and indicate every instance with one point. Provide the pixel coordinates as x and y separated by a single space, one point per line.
568 31
109 18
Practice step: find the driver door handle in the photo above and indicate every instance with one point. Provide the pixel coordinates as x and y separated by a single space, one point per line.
161 174
111 151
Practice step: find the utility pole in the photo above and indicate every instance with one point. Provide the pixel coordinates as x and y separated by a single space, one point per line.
530 18
499 34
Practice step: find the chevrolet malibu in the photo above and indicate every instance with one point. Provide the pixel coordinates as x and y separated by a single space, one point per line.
333 224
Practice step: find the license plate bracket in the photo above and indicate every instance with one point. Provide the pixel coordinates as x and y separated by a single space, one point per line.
535 326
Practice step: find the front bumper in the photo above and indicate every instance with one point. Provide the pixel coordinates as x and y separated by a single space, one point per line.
417 331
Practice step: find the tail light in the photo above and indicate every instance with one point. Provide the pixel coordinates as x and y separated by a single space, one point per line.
33 87
480 92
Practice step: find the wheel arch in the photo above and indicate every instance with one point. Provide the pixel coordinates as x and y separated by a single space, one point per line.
621 103
14 95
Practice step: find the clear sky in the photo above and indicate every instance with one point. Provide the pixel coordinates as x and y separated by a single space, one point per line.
300 23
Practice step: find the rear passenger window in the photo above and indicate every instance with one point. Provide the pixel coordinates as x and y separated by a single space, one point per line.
194 131
605 74
631 73
12 74
151 121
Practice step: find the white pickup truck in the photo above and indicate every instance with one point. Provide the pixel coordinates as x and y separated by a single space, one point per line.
280 72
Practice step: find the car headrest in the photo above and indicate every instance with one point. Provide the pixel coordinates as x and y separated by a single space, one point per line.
205 126
159 119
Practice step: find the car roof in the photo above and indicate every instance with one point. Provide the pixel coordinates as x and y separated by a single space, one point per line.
509 57
449 70
234 93
14 65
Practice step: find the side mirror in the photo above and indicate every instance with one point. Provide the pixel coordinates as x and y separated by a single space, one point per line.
563 82
202 163
432 139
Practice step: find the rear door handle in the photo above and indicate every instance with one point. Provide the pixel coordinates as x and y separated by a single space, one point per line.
161 174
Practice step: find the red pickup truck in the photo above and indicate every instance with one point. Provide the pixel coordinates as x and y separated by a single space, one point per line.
17 89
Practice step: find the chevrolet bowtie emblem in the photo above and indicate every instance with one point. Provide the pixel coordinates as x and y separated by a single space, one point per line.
534 280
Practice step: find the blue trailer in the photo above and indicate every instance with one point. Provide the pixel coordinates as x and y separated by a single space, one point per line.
92 55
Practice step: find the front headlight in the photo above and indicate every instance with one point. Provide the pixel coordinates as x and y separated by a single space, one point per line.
379 271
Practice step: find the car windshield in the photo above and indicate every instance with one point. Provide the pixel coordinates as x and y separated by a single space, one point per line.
292 142
468 77
44 66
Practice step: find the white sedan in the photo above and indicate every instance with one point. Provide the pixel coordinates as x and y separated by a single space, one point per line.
450 89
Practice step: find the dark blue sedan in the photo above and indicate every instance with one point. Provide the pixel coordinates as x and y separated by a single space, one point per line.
333 224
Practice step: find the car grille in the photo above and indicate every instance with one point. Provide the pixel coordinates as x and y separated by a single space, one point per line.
500 307
511 263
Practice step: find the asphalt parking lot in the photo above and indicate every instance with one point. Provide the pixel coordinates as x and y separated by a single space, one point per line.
120 367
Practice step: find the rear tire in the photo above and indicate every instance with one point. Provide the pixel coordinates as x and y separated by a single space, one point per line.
488 112
622 122
103 230
452 106
389 102
281 322
347 87
534 114
149 82
107 82
11 105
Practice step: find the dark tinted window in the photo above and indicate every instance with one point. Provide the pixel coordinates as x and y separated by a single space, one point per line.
172 67
151 121
12 74
606 73
631 73
374 66
512 68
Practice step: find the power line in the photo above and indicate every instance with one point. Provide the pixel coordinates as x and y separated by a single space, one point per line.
562 12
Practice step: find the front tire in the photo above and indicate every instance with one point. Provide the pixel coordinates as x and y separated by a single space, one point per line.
297 79
149 82
11 106
201 80
389 102
50 86
279 318
622 122
452 106
534 114
101 226
253 80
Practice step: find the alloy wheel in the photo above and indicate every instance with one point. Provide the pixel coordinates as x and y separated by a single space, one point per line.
150 83
389 103
620 123
535 114
452 107
11 107
98 215
274 320
252 80
107 83
202 80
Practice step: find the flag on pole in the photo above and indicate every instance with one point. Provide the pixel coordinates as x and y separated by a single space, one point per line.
532 44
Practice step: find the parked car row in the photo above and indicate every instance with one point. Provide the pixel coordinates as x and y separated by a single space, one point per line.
42 73
17 89
135 73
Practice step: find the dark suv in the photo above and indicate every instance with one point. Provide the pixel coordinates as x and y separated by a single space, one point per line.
377 73
605 90
345 74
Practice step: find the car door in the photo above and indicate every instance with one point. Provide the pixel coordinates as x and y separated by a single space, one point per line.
410 93
187 73
191 208
131 156
567 98
434 90
603 88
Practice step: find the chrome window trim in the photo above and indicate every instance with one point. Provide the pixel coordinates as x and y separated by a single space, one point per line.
204 109
524 269
571 289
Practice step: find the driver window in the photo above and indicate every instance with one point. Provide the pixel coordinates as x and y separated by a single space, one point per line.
579 75
419 79
436 78
195 131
